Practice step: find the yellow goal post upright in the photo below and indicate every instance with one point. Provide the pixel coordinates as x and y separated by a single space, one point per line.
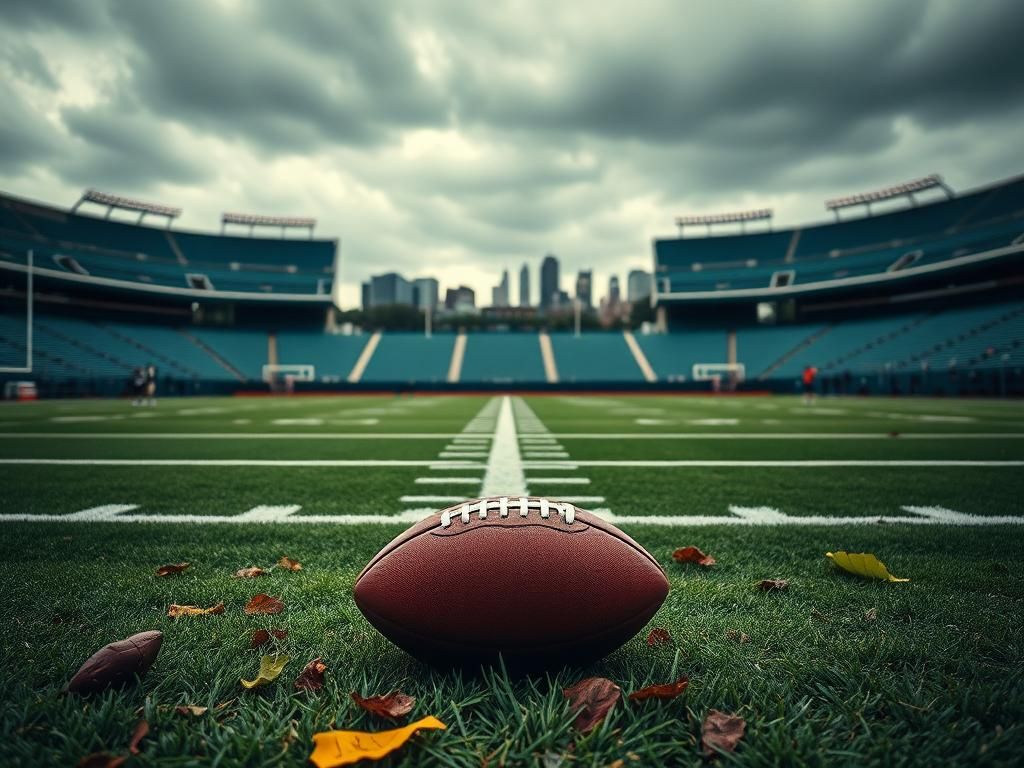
724 377
282 377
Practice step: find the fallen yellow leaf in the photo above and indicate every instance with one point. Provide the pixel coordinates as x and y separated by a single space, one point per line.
334 748
175 611
270 668
862 564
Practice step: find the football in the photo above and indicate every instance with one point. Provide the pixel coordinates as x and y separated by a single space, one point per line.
536 581
117 663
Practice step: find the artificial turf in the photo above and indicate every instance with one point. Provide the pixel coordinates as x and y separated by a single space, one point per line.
934 678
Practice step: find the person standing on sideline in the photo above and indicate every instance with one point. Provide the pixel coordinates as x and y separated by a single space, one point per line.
808 376
151 384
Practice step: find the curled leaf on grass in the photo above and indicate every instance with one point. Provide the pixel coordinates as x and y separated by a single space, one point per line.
334 748
658 636
249 573
721 732
862 564
191 710
737 636
693 555
270 668
263 605
871 614
170 570
311 678
289 564
394 705
663 691
262 636
591 699
176 611
773 585
140 732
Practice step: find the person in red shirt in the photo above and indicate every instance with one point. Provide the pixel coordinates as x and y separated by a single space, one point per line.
808 376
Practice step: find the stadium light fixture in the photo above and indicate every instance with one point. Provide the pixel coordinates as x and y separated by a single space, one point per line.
255 220
907 189
709 220
116 202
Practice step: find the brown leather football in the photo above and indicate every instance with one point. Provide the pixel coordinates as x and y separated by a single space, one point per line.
537 581
117 663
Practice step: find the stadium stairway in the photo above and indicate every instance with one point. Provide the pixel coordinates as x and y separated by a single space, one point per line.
213 353
364 358
458 355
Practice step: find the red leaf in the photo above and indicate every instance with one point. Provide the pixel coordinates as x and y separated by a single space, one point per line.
770 585
249 573
101 760
262 636
394 705
264 604
291 565
664 691
721 732
137 736
170 570
591 699
311 678
692 555
658 636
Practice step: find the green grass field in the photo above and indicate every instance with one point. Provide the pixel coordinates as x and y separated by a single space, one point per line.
98 494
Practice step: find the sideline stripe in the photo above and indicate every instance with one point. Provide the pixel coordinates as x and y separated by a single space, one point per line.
249 463
749 516
810 463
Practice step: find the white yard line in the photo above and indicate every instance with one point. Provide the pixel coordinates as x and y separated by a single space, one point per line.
806 464
788 436
447 481
431 499
504 475
247 463
231 435
558 480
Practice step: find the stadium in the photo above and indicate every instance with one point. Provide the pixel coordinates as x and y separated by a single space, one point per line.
197 418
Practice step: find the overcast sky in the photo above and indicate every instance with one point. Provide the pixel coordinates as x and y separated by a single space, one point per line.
457 139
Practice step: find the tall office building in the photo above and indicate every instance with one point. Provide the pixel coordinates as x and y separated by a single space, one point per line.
614 296
584 287
524 286
499 293
548 281
390 288
425 292
638 285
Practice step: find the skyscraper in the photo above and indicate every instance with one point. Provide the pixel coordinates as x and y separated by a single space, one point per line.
499 294
425 292
584 287
524 286
638 285
613 291
548 280
390 288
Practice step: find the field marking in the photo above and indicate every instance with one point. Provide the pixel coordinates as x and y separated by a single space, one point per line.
748 516
462 455
431 499
298 422
504 475
247 463
713 422
787 435
804 464
232 435
447 481
558 480
546 454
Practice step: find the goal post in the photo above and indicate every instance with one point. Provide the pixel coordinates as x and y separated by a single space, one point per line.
721 375
282 378
26 366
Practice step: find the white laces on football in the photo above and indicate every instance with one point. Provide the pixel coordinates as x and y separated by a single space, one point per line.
502 506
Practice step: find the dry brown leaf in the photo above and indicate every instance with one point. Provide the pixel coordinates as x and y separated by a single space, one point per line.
262 636
263 604
191 610
170 570
311 678
101 760
137 736
249 573
735 634
658 636
664 691
191 710
871 614
291 565
692 555
721 732
772 585
394 705
591 699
